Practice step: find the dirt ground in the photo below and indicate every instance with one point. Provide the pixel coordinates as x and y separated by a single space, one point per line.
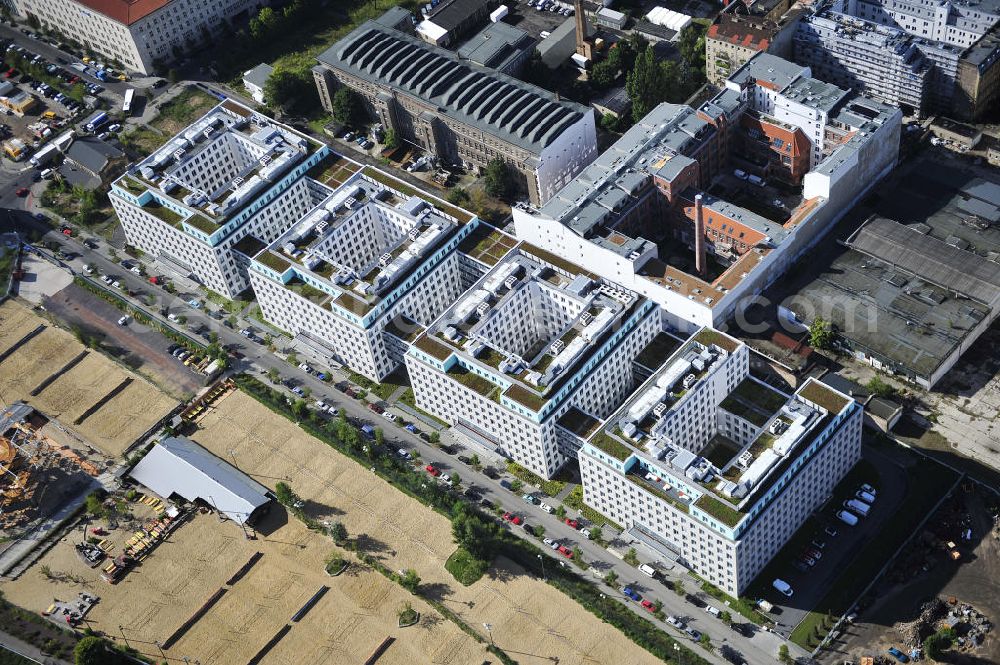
974 580
114 426
530 619
152 601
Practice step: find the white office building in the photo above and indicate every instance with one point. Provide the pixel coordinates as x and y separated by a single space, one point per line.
213 195
533 339
710 468
356 278
137 33
957 22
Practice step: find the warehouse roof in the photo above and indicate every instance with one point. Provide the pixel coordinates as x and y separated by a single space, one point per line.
932 259
495 43
505 107
180 466
450 15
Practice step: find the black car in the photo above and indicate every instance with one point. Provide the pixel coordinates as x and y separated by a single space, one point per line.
465 459
744 629
528 529
487 504
160 83
491 472
472 493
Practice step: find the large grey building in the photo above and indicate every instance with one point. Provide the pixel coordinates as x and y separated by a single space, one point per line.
928 56
463 113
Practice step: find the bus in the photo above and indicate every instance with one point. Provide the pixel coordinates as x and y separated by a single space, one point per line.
127 106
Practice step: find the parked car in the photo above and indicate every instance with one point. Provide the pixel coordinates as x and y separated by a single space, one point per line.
529 499
572 523
865 496
431 469
548 541
783 587
868 488
650 607
692 633
506 484
630 592
675 622
566 552
898 655
848 518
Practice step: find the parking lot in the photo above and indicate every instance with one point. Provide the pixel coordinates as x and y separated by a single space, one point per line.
535 21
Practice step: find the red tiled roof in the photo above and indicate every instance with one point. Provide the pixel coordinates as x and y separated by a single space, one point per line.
125 11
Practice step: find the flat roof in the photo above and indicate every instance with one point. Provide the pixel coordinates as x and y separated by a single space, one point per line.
494 44
517 112
452 13
897 317
256 151
125 11
313 245
474 327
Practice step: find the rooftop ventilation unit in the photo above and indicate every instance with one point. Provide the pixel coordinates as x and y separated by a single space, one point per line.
384 260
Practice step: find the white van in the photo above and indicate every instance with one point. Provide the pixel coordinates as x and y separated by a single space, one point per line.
741 174
859 507
646 569
862 495
46 174
714 611
783 587
848 518
756 180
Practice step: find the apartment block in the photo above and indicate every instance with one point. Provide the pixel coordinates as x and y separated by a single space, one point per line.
878 60
534 338
359 274
641 215
140 34
707 467
462 113
230 181
740 31
929 57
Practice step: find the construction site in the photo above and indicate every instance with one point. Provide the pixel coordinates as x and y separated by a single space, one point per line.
39 474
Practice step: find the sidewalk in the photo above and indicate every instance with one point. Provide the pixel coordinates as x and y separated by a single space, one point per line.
25 650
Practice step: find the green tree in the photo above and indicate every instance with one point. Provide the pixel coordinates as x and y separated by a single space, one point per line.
283 492
456 480
434 437
496 178
458 196
726 617
300 409
578 557
881 388
706 641
95 505
650 82
273 375
561 511
783 655
604 73
410 580
379 436
631 558
93 650
338 532
77 92
820 333
611 578
691 44
391 141
596 534
347 108
286 86
473 533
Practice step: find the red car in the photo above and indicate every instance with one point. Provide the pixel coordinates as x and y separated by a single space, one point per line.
573 523
66 231
433 471
376 408
10 72
512 518
648 605
566 552
22 192
154 280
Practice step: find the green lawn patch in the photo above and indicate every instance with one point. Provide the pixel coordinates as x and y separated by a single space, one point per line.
719 509
464 567
550 487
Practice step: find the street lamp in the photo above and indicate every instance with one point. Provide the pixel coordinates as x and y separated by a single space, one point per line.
122 629
542 559
489 629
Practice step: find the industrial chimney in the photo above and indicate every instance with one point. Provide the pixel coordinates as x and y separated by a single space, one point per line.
699 237
583 45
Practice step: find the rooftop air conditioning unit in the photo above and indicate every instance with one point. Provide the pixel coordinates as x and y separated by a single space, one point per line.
558 346
384 259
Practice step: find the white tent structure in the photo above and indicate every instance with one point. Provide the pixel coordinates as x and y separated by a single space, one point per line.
180 466
668 18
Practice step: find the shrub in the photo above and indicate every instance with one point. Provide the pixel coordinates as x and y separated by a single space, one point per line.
464 567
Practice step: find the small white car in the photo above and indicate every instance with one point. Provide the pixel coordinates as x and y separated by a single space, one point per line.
391 417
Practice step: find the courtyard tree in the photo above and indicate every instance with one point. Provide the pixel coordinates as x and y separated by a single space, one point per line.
820 333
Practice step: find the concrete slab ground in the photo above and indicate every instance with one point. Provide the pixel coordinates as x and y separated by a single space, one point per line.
41 279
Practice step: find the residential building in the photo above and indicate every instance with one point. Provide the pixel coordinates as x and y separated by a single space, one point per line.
462 113
362 270
232 178
255 79
499 46
741 31
880 61
138 34
708 467
534 338
448 21
640 215
928 56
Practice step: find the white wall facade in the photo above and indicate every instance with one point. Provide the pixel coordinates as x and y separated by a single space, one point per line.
139 44
561 161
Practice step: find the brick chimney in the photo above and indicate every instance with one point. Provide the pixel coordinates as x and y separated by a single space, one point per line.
699 236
